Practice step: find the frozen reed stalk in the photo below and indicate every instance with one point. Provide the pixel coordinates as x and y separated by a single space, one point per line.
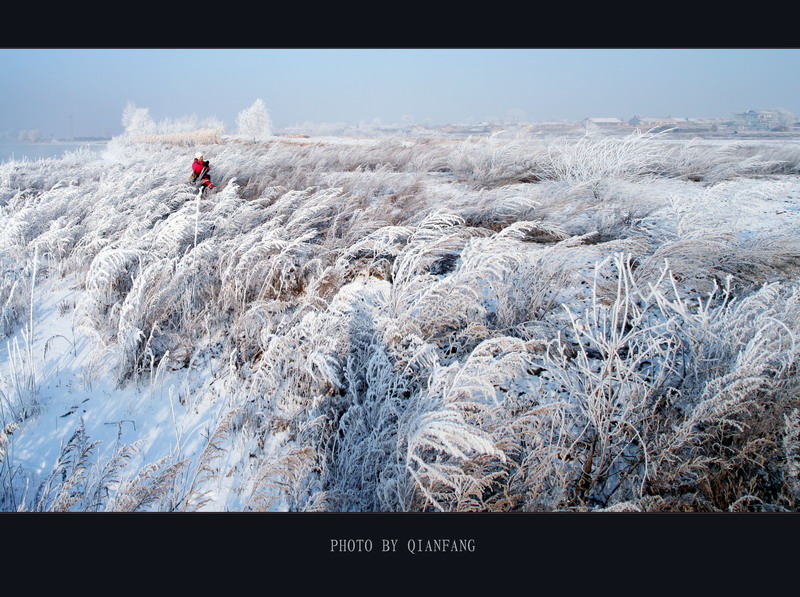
592 159
29 335
791 450
197 215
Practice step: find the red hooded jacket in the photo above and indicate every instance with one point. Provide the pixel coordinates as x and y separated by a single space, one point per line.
198 166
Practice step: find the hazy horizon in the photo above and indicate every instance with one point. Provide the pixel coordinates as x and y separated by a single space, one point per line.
67 93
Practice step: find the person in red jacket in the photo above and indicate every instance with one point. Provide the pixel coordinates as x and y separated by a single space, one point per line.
200 170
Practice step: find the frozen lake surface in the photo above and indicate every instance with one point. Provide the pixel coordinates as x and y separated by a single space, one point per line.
10 150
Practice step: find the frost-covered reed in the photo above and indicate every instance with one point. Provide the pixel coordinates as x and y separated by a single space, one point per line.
417 325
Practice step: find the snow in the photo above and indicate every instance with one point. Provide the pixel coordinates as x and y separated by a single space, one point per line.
73 386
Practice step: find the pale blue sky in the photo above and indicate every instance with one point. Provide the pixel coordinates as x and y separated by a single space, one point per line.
83 91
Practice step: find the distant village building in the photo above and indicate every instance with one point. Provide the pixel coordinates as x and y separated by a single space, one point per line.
602 122
765 119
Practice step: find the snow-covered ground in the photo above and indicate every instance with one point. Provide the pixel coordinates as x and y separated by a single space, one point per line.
168 419
401 325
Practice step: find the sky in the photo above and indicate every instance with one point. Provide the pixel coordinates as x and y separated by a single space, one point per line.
74 92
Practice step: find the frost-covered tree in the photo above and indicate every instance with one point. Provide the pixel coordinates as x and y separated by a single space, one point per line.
26 136
137 121
255 122
784 118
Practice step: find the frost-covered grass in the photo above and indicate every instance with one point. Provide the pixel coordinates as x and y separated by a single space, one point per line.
402 325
